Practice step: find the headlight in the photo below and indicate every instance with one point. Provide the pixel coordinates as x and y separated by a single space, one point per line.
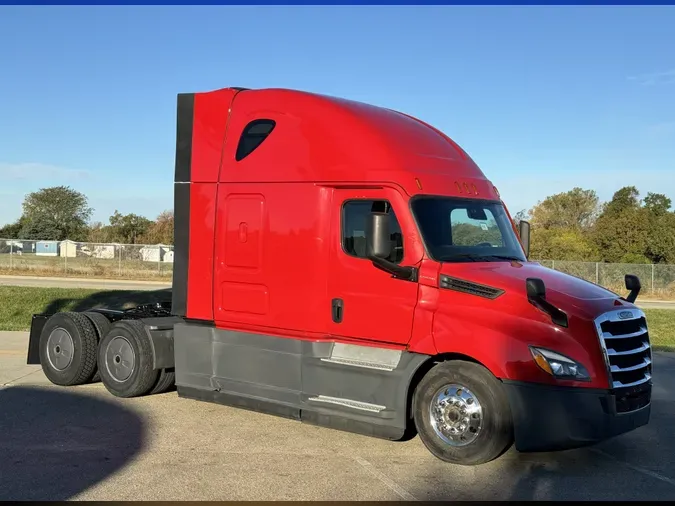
559 366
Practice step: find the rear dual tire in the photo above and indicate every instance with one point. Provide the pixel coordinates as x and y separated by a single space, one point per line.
68 349
102 325
462 414
125 360
78 348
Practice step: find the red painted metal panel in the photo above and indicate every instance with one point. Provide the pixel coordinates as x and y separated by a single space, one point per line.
202 237
265 250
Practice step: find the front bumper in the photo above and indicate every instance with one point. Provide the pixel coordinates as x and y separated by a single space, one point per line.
551 418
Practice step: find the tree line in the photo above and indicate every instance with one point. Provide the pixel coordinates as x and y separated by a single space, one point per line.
575 225
572 225
60 212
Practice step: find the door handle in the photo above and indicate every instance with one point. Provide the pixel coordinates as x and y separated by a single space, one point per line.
338 310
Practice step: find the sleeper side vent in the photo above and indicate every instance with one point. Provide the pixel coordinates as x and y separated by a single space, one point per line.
460 285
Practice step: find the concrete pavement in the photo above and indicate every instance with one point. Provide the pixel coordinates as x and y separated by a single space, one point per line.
83 443
655 304
96 284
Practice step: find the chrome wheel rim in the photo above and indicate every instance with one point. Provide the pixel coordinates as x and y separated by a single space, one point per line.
60 348
456 415
120 359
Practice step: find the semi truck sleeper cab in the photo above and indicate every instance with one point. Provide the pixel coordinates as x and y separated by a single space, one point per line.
350 266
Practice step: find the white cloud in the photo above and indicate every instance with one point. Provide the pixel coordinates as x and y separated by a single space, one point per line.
665 77
32 170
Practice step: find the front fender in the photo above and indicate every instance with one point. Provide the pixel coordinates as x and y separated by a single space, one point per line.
500 341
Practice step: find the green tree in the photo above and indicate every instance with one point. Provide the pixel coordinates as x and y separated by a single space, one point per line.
622 229
657 203
161 230
575 209
55 213
12 230
128 228
100 233
561 225
562 244
660 247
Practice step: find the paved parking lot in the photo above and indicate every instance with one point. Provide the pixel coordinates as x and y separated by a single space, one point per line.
82 443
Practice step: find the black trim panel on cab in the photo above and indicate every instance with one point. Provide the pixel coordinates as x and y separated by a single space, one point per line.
348 387
181 196
184 125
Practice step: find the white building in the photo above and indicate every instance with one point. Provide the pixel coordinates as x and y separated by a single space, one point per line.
68 248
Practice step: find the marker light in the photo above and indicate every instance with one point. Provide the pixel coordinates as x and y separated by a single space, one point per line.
559 366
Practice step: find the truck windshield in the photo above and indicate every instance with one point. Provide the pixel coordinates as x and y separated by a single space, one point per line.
466 230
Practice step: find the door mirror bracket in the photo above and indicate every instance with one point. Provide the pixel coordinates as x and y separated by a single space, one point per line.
379 247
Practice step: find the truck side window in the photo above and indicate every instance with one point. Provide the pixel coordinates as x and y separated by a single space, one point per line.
253 136
354 218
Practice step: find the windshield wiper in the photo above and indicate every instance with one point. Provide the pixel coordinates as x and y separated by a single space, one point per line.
506 257
469 256
481 258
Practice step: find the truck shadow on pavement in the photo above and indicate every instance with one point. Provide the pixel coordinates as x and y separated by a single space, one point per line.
57 443
634 466
110 299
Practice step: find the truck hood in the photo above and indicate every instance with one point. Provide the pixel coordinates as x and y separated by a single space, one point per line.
569 293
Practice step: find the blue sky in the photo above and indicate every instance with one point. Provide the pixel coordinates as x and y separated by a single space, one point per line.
543 98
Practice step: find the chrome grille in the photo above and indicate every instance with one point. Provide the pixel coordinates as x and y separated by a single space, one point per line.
624 338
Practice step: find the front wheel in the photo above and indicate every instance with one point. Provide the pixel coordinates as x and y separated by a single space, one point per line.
462 414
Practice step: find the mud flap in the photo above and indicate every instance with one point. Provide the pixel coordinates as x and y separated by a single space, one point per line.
36 326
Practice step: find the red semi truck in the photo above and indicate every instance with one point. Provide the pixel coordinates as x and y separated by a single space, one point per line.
350 266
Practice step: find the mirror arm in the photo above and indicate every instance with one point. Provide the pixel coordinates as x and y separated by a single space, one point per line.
634 287
398 271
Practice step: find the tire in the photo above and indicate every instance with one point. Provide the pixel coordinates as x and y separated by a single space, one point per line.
477 396
125 360
164 382
68 345
102 325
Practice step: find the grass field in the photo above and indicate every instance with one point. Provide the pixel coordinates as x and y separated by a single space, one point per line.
17 304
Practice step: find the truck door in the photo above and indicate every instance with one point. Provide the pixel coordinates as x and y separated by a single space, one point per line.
363 301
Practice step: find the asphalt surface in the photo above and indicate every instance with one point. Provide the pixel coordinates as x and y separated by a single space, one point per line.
83 443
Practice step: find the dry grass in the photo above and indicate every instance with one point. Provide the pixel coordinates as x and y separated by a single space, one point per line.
85 267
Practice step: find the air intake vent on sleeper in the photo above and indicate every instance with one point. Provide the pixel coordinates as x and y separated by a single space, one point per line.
460 285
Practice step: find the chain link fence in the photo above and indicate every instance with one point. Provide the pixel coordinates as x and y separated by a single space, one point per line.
658 280
85 259
155 262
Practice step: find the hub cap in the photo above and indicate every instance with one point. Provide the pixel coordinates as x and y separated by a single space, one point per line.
456 415
60 349
120 359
